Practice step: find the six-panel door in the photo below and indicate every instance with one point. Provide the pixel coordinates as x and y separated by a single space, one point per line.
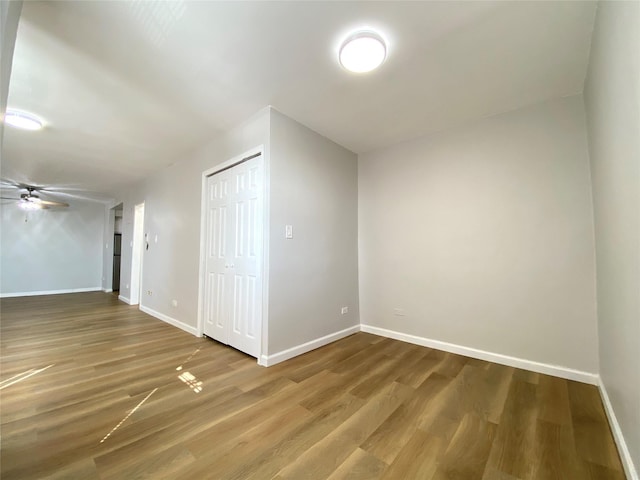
233 283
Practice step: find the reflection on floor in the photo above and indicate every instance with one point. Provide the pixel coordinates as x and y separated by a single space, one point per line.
191 381
22 376
128 415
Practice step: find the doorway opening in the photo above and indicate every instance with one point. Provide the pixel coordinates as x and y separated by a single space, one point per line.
117 247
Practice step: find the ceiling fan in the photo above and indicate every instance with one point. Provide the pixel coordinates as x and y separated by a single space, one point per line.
32 201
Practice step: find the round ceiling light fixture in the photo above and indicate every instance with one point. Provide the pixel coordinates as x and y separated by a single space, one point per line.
362 51
22 120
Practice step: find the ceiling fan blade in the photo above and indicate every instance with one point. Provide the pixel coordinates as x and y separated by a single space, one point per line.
9 183
52 203
6 183
78 195
38 201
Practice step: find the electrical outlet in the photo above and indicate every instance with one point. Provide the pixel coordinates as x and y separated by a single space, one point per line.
127 287
344 310
174 303
399 312
149 292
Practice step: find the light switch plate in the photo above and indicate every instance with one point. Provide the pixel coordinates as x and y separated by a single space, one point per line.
288 231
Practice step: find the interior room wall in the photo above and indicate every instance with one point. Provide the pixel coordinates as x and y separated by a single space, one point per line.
314 186
56 250
482 237
172 198
9 18
612 98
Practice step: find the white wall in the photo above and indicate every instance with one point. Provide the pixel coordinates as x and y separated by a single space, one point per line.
9 19
612 98
53 250
172 213
314 186
483 235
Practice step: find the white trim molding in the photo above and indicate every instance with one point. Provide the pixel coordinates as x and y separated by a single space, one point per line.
555 370
124 299
623 449
107 290
50 292
170 320
269 360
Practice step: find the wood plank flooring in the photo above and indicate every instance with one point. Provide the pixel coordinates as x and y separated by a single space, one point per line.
95 389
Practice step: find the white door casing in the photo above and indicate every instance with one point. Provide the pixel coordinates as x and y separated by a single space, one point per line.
233 259
137 255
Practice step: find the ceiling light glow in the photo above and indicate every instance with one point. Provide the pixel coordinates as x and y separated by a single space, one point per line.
27 205
363 51
22 120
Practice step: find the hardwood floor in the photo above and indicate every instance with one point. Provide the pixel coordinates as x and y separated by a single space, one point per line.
95 389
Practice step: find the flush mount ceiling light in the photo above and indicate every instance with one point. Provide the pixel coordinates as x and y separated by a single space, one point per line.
362 51
22 120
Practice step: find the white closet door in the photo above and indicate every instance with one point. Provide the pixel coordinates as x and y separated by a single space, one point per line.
233 303
215 308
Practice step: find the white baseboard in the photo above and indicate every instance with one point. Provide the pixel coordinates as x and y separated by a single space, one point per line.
50 292
107 290
623 450
555 370
269 360
124 299
169 320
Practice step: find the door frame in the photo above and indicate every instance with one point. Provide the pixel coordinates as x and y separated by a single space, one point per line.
107 284
137 255
265 241
107 281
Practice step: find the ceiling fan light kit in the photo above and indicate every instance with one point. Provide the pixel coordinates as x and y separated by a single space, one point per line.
27 205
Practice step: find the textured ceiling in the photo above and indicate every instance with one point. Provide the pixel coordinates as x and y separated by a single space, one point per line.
129 87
